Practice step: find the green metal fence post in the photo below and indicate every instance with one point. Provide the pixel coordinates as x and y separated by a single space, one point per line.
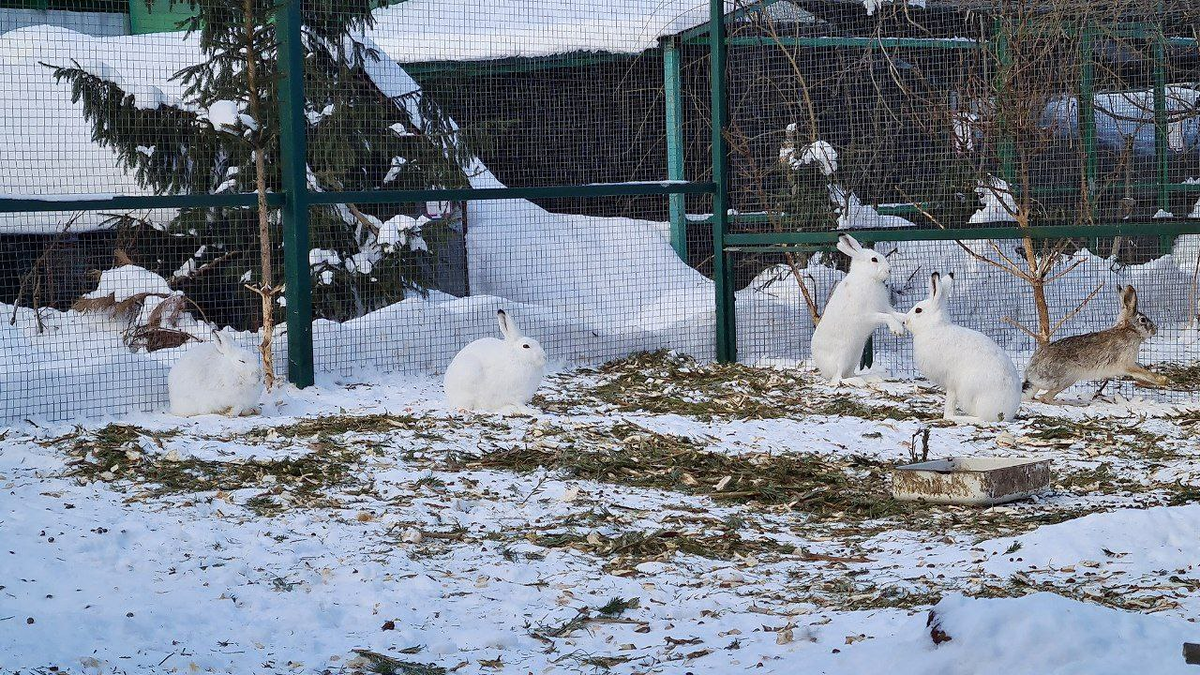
1161 158
294 157
722 274
673 91
1087 113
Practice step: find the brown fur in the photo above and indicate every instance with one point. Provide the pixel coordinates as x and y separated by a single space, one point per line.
1094 356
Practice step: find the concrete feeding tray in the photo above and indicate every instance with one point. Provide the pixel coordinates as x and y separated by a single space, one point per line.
975 481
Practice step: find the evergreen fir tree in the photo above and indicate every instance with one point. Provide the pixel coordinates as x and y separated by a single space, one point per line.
358 139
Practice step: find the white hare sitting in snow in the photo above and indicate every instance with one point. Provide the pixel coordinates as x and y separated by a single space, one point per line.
859 304
216 377
491 375
978 376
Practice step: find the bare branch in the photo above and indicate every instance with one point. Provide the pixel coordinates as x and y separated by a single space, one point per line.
1069 315
1016 324
1072 266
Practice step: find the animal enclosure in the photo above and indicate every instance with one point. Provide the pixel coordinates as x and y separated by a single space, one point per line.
630 176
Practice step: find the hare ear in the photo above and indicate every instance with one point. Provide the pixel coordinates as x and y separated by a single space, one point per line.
507 328
1129 300
945 287
221 341
848 245
933 285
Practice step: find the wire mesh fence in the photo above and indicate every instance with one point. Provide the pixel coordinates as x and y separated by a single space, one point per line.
157 145
588 288
556 159
952 117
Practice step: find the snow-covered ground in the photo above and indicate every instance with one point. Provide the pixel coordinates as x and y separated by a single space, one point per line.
660 515
684 518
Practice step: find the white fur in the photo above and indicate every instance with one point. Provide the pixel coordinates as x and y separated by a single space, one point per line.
978 376
860 303
216 377
491 375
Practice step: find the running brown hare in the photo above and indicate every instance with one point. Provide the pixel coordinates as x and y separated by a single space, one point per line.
1093 356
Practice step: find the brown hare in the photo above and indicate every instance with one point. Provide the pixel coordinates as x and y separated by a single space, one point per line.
1093 356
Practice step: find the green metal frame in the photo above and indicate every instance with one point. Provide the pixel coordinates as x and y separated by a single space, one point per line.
293 127
673 104
477 194
781 241
37 204
853 42
109 7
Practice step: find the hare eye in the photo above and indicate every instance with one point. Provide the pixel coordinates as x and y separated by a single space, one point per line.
876 259
918 310
525 346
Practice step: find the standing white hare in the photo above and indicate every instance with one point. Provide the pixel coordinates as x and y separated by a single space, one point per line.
978 376
491 375
216 377
859 304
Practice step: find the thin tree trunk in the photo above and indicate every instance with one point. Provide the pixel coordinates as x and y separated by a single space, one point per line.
267 290
1043 311
1036 282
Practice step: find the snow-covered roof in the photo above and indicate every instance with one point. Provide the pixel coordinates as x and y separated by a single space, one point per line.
468 30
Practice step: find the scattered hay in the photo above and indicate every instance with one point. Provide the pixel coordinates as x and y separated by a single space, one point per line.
1182 376
1123 436
668 383
889 598
115 454
629 549
330 426
388 665
608 613
627 454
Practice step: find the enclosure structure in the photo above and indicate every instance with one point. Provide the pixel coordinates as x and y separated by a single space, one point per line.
1047 152
625 177
133 224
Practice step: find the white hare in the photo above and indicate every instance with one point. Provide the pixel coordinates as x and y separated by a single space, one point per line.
216 377
859 304
978 376
491 375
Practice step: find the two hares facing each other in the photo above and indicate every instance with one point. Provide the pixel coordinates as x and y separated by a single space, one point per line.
215 378
493 375
978 376
859 304
1094 356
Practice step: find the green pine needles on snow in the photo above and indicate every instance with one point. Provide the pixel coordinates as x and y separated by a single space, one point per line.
359 138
